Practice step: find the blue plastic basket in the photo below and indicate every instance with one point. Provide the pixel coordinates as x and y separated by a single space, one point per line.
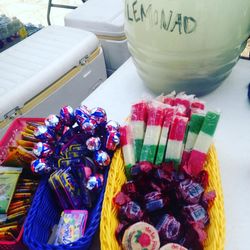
45 213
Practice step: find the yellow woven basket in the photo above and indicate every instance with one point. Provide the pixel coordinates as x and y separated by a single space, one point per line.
109 222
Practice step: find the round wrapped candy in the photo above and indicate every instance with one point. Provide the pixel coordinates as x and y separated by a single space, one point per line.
43 133
99 115
67 115
173 246
112 126
40 166
95 182
101 158
42 150
53 123
81 116
93 143
168 228
113 140
89 126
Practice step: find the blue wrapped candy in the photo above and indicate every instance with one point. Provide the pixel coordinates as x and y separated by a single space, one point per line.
99 115
81 116
113 140
43 133
89 126
67 115
112 126
54 124
101 158
95 182
40 166
93 143
42 150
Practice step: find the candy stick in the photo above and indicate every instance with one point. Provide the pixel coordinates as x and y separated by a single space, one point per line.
202 144
169 113
153 131
169 99
126 141
175 140
138 124
195 124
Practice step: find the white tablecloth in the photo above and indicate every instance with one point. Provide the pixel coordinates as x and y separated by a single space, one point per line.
232 137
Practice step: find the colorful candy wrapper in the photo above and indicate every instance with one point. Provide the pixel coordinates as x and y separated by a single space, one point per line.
42 133
175 140
169 99
194 128
81 115
71 226
153 131
168 117
67 116
40 166
93 143
184 100
101 158
42 150
202 144
113 140
95 182
127 148
54 124
138 125
112 126
99 115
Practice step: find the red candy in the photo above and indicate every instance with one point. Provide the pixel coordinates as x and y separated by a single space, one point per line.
131 211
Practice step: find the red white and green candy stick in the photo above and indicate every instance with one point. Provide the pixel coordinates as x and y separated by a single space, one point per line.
168 118
194 128
175 140
138 125
202 144
127 148
153 131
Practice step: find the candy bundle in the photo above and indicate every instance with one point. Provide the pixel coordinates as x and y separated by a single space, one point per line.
164 201
15 200
75 148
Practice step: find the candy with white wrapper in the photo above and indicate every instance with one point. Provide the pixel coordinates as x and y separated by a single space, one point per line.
153 131
138 125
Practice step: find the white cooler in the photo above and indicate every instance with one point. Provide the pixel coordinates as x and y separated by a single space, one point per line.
54 67
105 18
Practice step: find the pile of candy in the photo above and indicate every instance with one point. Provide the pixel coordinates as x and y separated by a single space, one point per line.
164 148
12 219
75 148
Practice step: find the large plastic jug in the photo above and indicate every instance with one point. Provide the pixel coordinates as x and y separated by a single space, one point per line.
186 45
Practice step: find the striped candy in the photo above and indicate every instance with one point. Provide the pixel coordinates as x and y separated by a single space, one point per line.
175 140
138 125
202 144
153 131
168 117
127 148
195 124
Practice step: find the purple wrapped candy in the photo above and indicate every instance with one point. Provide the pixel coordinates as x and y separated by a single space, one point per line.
168 228
190 191
101 158
153 201
95 182
93 143
89 126
112 126
113 140
196 213
42 150
99 115
131 211
40 166
43 133
81 116
67 116
53 123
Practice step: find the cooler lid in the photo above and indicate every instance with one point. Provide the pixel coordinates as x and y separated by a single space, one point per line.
105 17
33 64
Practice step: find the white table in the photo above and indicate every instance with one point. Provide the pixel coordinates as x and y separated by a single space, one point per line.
232 138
